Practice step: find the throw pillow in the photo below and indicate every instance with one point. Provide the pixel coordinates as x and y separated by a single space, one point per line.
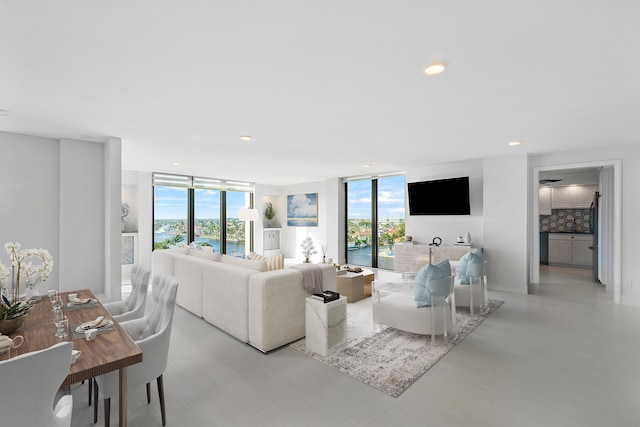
439 270
273 263
470 265
194 246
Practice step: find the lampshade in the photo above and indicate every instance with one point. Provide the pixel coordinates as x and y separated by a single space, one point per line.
249 214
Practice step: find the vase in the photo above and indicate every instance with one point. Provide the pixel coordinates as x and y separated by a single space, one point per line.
33 293
11 325
324 260
306 260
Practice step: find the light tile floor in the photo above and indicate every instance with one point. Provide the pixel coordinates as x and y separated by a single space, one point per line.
562 356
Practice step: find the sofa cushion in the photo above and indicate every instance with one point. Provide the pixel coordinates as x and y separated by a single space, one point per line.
426 273
206 254
470 265
180 249
273 263
246 263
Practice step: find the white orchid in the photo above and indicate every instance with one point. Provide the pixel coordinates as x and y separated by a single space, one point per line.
21 259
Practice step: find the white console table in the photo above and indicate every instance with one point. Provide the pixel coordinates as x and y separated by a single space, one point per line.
411 257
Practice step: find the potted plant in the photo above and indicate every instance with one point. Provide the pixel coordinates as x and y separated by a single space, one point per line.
269 212
12 315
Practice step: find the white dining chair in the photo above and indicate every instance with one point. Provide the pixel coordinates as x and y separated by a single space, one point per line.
133 307
152 334
31 388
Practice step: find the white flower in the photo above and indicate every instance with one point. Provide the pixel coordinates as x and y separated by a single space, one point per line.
307 247
22 261
4 273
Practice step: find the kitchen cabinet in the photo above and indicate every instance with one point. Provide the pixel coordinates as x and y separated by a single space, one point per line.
544 201
584 196
570 249
572 197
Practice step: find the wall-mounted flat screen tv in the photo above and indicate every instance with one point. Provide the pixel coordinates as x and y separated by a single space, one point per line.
439 197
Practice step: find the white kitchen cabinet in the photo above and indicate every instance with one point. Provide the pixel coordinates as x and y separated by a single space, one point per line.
562 197
544 201
584 196
582 255
572 197
570 249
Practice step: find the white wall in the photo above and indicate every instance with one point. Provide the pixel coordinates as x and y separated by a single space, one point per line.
53 196
82 207
505 222
29 197
293 236
423 228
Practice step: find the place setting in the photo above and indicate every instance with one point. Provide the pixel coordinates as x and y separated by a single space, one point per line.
89 330
75 303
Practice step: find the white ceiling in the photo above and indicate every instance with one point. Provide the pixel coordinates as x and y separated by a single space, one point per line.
322 86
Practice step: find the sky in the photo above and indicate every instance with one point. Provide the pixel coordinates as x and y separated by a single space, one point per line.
391 196
171 203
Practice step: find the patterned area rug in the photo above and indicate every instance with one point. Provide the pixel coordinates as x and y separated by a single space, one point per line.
391 360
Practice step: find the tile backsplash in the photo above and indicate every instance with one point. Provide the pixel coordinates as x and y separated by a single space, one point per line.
566 221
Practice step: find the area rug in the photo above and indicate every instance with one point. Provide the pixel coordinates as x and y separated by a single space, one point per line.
391 360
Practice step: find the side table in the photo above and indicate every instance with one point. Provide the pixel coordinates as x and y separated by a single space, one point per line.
326 324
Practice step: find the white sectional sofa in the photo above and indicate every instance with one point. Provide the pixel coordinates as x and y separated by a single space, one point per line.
263 308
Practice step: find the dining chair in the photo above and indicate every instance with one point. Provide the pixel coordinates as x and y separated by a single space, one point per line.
133 307
152 334
31 382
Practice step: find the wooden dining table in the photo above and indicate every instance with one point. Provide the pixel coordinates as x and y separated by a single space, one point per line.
112 350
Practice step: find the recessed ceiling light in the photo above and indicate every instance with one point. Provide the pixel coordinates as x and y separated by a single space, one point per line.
366 166
514 143
246 137
175 164
433 69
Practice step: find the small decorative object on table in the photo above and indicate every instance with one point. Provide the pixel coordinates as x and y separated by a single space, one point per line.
13 316
308 249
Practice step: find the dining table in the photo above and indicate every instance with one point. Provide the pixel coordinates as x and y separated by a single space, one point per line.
111 350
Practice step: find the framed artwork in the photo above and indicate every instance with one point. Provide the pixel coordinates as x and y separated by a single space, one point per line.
302 210
271 239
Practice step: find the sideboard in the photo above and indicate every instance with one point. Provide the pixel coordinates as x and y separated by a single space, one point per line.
411 257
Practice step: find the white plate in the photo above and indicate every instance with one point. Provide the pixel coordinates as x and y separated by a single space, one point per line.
81 301
106 323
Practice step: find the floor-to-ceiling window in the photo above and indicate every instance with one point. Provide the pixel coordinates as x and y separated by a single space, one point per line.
375 220
187 209
359 224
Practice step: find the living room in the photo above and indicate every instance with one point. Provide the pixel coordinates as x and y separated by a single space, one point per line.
66 162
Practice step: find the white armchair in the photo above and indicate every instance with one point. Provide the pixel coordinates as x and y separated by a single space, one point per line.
393 305
32 383
152 334
133 307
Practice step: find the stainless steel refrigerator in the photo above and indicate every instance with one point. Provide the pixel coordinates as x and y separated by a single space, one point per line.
593 215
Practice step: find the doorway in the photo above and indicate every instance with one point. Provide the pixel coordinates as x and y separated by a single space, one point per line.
609 183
